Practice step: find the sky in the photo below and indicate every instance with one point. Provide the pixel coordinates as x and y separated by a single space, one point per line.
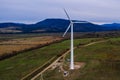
33 11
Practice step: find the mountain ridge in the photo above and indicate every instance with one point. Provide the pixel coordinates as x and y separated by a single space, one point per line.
53 25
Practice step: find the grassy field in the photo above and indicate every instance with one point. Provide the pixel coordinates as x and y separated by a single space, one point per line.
15 45
20 65
102 63
5 37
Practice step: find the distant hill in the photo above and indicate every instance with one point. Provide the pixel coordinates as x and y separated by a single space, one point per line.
113 26
53 25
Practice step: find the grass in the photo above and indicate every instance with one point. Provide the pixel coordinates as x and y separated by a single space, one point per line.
20 65
24 63
5 37
16 45
102 63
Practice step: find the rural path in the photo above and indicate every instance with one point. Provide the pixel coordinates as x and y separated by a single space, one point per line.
55 61
94 43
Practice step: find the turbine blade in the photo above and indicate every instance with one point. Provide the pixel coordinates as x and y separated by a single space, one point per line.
67 30
67 15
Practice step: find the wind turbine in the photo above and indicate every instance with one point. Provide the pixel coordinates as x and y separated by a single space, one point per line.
71 24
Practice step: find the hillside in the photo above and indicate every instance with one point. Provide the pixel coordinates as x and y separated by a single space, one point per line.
53 25
113 26
102 63
26 62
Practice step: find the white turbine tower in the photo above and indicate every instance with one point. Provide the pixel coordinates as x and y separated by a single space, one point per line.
72 44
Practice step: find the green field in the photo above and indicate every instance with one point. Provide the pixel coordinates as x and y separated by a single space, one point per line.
102 63
20 65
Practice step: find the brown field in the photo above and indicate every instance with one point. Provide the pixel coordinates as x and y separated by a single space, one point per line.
15 45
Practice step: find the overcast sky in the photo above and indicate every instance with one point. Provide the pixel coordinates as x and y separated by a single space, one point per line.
32 11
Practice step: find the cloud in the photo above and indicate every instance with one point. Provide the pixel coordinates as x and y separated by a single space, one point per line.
100 11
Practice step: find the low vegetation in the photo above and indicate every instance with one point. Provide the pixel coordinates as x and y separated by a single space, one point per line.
102 63
13 46
18 66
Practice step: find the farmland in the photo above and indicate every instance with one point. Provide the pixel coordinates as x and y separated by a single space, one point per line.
13 46
22 64
102 63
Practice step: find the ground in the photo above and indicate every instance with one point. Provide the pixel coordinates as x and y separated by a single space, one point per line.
101 61
15 45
